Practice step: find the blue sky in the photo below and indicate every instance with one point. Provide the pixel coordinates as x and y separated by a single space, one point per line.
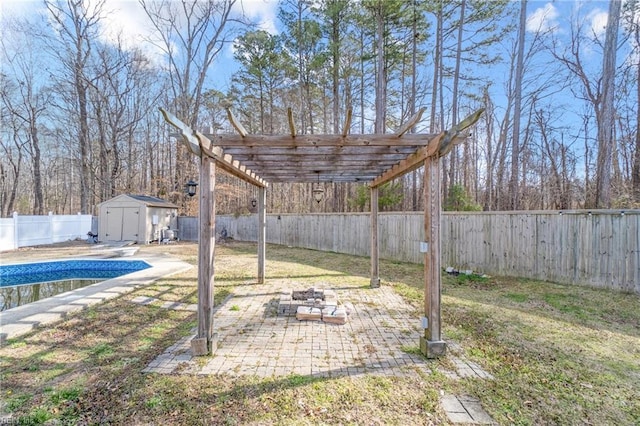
127 17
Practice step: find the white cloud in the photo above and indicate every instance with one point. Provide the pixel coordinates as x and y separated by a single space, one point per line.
543 19
597 19
261 12
19 8
126 19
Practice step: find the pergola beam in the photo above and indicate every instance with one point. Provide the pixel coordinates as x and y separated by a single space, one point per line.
347 123
326 165
409 164
438 147
410 122
304 151
199 144
236 124
387 140
292 126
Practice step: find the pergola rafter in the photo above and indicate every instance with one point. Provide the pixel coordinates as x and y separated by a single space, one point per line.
373 158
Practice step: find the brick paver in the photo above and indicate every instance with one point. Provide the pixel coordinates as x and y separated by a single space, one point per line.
254 340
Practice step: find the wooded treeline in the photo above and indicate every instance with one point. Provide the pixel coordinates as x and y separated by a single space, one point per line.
80 121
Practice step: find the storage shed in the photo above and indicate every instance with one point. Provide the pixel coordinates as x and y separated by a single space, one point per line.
138 218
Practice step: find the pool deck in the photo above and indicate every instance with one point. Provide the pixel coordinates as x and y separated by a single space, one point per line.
23 319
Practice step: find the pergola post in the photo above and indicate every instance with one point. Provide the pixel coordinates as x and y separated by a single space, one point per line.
204 343
262 226
431 344
375 248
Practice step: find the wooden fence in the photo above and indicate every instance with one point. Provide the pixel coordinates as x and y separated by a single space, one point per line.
599 248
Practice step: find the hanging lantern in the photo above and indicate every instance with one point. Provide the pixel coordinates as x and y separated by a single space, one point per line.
190 188
318 191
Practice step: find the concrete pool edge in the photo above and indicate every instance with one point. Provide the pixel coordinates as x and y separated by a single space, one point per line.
21 320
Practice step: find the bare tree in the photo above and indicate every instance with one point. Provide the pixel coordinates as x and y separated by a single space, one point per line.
122 94
631 18
12 145
598 91
29 101
77 26
606 112
517 108
561 163
381 67
191 34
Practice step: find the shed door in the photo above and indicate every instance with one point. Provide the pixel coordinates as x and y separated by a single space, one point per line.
130 222
122 223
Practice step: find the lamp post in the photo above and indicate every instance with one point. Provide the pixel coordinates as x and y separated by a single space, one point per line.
190 188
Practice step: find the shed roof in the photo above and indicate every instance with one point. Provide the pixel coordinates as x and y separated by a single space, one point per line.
154 201
147 200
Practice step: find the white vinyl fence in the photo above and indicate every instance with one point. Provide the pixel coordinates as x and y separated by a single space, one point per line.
23 231
599 248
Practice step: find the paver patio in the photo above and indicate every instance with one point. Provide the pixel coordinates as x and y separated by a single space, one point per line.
253 339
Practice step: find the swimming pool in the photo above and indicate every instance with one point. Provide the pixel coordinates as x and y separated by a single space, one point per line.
27 282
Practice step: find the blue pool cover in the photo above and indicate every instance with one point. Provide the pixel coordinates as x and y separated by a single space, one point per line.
31 273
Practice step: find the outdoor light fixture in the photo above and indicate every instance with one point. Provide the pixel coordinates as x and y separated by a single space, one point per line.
254 203
318 192
190 188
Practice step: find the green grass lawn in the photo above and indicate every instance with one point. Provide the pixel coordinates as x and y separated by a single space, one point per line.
558 354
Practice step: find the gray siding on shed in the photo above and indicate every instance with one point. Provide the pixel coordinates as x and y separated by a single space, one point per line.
131 218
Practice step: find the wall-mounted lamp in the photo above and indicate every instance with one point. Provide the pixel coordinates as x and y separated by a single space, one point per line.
318 192
254 203
190 188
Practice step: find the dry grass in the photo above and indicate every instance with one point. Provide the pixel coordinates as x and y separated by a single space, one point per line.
559 355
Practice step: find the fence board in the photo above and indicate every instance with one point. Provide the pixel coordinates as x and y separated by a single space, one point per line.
24 231
599 249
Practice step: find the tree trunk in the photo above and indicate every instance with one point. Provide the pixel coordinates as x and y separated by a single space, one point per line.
514 191
335 72
437 61
381 72
412 104
38 197
635 170
453 157
607 111
83 144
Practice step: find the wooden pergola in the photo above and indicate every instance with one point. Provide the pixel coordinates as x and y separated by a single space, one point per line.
373 158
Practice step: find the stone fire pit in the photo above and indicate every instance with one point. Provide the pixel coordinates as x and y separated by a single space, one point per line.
315 304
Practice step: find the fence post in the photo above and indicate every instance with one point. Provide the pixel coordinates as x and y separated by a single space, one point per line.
15 230
50 228
80 224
